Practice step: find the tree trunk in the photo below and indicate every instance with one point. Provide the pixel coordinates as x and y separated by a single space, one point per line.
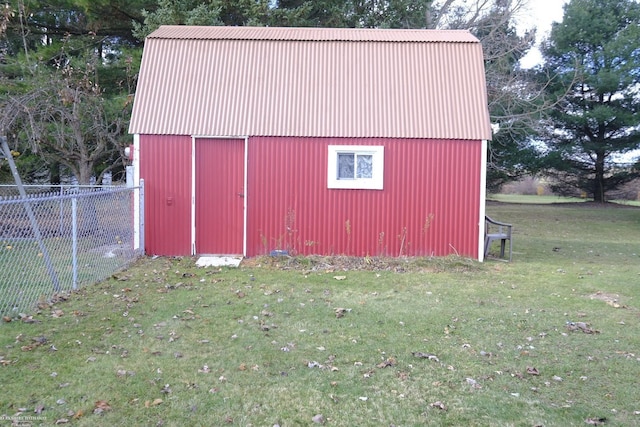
598 181
85 171
54 176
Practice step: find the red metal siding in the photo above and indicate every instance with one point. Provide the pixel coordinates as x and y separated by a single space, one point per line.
165 166
219 196
429 206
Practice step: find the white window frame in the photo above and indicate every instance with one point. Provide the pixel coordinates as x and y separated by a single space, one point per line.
376 182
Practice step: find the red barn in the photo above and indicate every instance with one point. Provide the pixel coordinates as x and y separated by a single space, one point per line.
312 141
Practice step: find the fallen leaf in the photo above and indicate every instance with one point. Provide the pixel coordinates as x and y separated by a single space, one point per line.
595 421
473 383
439 405
318 419
532 371
28 319
389 362
425 355
581 326
103 405
7 319
340 312
339 277
156 402
62 421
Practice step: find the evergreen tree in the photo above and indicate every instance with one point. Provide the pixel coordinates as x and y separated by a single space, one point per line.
595 54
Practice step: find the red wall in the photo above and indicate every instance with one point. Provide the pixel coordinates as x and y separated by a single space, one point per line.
429 206
165 166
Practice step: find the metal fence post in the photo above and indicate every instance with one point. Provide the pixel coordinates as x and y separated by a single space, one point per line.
74 242
60 193
142 216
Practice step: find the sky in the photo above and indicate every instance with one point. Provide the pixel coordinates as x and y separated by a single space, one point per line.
540 14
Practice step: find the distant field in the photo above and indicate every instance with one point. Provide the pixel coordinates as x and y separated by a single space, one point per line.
519 198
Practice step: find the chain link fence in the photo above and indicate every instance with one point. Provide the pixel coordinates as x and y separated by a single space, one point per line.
53 242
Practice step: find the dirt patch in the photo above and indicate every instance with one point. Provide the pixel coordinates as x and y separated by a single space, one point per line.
313 263
611 299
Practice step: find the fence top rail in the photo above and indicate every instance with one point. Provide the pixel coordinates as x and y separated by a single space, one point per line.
61 186
69 193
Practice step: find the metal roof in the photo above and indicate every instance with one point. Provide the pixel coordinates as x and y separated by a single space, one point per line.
232 81
309 34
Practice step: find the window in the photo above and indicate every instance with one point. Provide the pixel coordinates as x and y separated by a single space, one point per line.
355 166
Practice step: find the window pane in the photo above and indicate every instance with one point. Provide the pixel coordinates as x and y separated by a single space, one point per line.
345 165
365 166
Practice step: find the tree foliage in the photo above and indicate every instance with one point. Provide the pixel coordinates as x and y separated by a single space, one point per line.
595 52
68 121
41 41
66 76
516 99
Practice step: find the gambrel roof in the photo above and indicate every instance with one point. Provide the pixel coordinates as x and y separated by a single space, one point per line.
316 82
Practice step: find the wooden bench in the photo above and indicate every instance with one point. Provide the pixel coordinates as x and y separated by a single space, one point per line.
496 230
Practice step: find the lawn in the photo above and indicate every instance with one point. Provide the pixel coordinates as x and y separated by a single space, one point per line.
550 339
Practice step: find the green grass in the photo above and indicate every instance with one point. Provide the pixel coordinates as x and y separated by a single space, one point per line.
522 198
261 345
547 199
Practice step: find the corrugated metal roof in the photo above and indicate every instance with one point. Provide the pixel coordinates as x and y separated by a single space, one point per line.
309 34
228 81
